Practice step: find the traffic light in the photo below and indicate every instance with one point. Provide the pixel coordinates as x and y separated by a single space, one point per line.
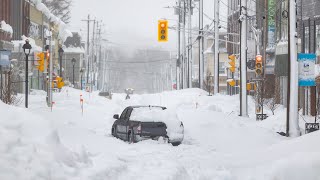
40 65
60 82
258 65
232 63
162 30
249 86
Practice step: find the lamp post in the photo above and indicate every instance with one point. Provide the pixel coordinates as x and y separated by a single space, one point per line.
81 74
73 64
27 49
61 51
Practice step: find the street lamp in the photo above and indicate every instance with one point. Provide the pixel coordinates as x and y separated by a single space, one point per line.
73 64
61 51
27 50
81 74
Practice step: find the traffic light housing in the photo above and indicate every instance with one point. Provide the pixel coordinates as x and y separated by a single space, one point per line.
60 82
40 65
258 65
232 63
162 30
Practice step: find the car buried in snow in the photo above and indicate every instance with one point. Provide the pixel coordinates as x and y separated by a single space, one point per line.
137 123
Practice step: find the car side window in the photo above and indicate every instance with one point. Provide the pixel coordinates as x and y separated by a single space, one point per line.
123 115
128 114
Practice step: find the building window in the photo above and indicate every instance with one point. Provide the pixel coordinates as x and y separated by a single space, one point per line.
221 68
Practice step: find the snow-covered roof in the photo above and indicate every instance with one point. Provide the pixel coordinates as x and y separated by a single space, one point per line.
17 45
64 33
6 27
74 50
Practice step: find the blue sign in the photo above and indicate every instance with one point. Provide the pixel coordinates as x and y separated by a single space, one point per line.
307 75
5 58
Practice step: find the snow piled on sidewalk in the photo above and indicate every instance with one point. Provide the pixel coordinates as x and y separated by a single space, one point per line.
218 144
31 149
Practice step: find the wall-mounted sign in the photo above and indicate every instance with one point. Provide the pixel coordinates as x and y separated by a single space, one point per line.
307 69
5 59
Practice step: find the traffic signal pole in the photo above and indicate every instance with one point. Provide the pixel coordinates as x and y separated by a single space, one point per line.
243 60
50 72
216 46
88 45
178 71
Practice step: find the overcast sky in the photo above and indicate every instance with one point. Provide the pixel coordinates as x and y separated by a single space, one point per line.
131 23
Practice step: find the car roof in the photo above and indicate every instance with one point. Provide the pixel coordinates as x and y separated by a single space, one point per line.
162 107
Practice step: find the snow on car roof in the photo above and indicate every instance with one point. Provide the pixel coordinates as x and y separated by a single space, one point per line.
148 114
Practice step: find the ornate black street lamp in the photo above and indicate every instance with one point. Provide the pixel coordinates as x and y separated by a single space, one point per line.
73 64
27 50
81 74
61 51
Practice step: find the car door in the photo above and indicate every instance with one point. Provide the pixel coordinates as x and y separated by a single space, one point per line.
121 125
127 121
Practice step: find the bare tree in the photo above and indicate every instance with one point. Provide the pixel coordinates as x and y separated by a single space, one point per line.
208 83
7 93
274 101
259 95
60 8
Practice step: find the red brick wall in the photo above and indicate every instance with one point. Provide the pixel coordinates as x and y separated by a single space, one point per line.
26 20
5 8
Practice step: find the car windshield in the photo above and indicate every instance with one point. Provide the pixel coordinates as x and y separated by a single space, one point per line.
147 114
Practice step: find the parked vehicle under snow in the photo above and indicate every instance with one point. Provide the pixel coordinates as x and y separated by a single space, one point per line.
138 123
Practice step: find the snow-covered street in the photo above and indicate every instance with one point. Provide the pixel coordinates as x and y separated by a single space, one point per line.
218 144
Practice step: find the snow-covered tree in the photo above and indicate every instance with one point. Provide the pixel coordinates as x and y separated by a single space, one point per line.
60 8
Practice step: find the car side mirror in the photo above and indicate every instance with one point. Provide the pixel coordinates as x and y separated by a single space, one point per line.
116 116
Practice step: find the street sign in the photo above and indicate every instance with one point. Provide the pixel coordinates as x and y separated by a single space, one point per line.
231 82
311 127
5 58
307 69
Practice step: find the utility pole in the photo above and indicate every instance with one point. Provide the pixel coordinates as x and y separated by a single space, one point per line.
292 110
50 71
243 60
216 46
99 59
184 74
178 80
189 44
88 47
201 42
93 56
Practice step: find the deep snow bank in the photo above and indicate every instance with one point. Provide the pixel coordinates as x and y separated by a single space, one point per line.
64 144
31 149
